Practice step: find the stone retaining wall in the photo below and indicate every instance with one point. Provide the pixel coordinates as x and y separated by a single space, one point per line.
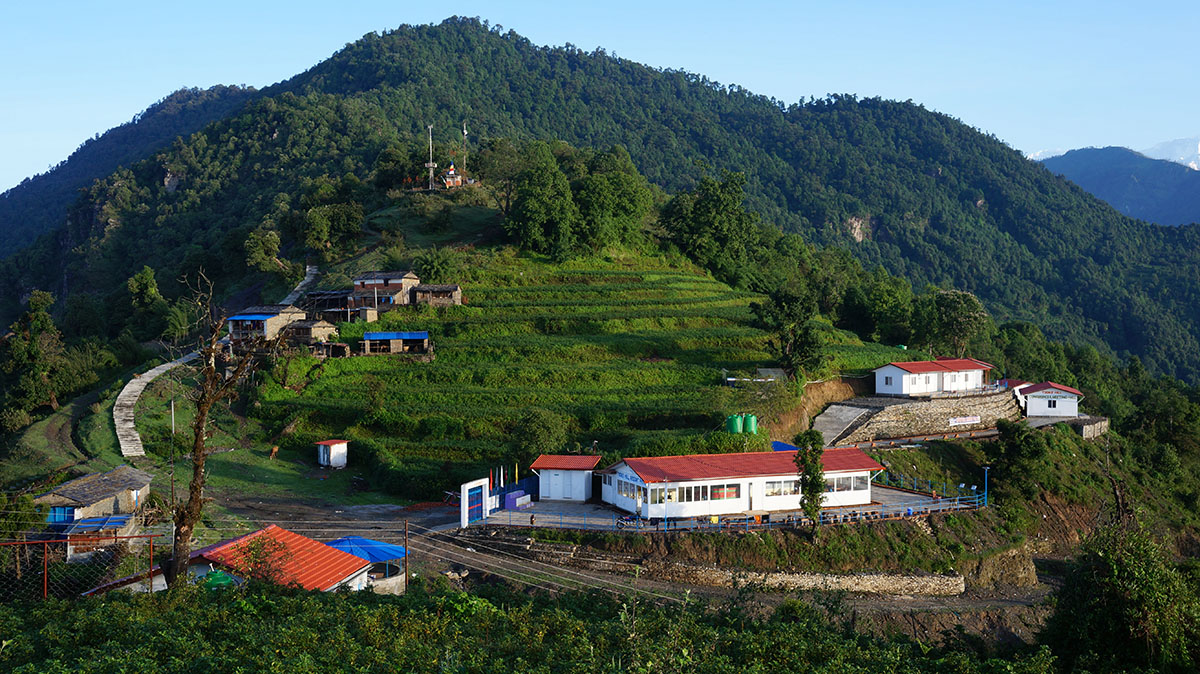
928 417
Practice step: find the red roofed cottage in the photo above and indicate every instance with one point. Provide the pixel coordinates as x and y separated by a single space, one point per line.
702 485
565 477
926 377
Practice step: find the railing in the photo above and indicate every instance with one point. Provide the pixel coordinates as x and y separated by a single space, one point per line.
611 520
68 567
894 480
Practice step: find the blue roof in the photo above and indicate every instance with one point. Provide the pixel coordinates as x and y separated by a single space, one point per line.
365 548
424 334
777 446
252 317
94 524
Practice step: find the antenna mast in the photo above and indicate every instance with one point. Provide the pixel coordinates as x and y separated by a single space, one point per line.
429 164
464 157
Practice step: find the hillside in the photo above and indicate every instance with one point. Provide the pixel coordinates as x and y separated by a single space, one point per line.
1154 190
919 193
39 204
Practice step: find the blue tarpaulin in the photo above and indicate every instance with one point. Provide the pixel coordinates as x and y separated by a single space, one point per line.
778 446
365 548
396 335
252 317
92 525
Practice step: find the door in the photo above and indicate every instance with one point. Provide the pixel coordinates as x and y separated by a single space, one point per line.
556 485
475 504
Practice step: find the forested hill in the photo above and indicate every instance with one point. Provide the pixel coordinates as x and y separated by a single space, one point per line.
39 204
1155 190
922 194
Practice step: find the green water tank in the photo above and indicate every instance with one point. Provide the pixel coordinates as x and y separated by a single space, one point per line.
751 424
733 423
218 580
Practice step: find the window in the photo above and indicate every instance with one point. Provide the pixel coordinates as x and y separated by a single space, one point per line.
861 483
784 488
656 495
926 379
953 378
838 484
1052 404
671 494
726 491
914 379
61 514
887 381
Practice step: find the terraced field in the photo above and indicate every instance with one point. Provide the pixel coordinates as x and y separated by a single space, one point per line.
630 352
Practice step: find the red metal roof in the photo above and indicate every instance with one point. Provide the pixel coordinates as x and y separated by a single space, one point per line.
749 464
942 365
332 442
1049 385
1012 383
565 462
300 560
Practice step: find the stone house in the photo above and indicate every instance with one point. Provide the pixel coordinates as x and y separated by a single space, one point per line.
262 323
383 290
308 332
121 490
438 295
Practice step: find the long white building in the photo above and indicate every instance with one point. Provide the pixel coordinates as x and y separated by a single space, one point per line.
702 485
926 377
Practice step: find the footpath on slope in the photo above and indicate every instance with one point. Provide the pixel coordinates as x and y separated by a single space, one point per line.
123 409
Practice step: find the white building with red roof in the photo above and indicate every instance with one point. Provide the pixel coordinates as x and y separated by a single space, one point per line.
927 377
1049 399
565 477
703 485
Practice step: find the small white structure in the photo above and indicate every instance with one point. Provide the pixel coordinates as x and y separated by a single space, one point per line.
704 485
927 377
565 477
332 453
1048 399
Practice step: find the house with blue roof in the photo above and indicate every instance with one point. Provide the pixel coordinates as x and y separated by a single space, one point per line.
261 323
411 343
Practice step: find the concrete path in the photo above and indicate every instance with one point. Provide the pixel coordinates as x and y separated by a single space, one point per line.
123 409
834 421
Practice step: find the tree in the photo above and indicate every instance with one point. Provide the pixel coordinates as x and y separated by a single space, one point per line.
711 225
436 265
1014 453
1124 606
262 250
214 384
787 314
544 215
33 356
539 431
949 319
810 446
500 166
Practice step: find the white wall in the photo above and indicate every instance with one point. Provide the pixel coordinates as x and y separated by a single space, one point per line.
897 379
962 381
1038 404
564 485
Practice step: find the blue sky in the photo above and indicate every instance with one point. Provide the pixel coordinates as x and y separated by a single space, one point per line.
1038 75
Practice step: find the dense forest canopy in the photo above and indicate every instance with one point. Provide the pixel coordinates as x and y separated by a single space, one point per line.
921 194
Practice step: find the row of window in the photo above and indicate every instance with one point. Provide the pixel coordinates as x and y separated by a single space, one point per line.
848 483
785 488
953 379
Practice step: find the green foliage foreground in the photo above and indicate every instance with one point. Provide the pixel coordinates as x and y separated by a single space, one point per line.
441 630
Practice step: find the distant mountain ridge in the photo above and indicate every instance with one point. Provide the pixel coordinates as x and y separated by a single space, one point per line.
1184 151
39 203
920 193
1154 190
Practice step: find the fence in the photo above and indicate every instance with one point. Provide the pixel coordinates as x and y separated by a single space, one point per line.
68 567
610 520
922 486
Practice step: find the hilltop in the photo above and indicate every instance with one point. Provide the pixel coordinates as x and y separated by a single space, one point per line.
920 193
1154 190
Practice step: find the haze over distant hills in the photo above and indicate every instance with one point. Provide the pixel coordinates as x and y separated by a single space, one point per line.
920 193
1154 190
1184 151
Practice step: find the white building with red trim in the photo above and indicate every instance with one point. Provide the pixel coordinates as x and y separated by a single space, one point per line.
1049 399
565 477
928 377
703 485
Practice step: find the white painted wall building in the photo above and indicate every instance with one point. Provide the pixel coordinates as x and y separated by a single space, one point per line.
705 485
565 477
926 377
1048 399
332 453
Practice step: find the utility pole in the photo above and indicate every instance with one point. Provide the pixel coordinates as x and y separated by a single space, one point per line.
407 552
464 155
172 450
429 164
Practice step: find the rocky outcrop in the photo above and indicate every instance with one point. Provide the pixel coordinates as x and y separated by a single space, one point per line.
929 417
1013 567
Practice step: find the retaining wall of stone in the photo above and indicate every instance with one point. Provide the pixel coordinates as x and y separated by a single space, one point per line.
927 417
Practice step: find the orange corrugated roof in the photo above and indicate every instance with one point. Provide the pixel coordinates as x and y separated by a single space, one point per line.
565 462
748 464
301 560
942 365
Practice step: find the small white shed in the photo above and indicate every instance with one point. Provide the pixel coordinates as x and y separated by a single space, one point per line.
565 477
332 453
1048 399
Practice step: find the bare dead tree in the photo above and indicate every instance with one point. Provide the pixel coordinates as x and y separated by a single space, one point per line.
212 387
